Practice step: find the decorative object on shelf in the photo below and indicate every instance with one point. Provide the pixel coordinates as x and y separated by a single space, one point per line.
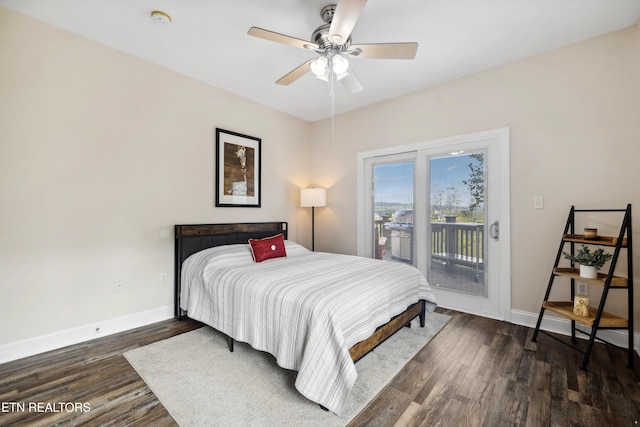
588 271
581 306
312 198
238 168
590 233
590 262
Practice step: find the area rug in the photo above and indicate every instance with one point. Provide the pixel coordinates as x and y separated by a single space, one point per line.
201 383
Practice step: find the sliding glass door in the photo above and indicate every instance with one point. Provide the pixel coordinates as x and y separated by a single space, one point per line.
440 206
457 218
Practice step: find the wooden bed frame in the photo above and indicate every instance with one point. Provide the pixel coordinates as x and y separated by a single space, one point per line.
190 239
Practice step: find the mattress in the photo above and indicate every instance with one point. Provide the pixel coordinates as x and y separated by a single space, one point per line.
306 309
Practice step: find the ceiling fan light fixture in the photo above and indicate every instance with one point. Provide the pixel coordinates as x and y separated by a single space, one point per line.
340 64
319 66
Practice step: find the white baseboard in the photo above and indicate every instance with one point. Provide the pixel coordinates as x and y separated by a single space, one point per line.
41 344
32 346
563 326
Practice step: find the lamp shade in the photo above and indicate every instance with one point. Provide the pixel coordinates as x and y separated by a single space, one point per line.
313 197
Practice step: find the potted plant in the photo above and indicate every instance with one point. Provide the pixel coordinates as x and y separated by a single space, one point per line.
590 262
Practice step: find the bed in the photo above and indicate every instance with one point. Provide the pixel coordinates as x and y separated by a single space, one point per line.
316 313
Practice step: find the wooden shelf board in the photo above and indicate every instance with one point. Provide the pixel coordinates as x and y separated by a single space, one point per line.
574 273
601 240
565 308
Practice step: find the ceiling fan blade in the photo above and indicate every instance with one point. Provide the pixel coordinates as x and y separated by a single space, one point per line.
296 73
281 38
344 19
384 50
350 81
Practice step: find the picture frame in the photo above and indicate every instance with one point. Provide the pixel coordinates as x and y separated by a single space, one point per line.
238 170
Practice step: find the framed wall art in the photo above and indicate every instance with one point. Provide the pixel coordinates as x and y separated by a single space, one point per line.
238 168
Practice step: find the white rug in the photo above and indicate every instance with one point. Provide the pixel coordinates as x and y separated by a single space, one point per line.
201 383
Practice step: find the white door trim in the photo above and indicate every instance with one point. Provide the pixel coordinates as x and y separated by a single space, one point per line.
503 213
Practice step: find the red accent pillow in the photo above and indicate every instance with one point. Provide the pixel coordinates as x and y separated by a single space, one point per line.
270 247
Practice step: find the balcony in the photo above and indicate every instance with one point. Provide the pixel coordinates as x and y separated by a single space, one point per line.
457 251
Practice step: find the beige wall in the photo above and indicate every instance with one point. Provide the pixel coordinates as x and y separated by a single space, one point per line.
100 155
574 121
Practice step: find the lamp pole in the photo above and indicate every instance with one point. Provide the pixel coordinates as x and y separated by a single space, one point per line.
313 228
310 198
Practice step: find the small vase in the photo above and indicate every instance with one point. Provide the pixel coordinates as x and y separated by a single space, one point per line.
588 272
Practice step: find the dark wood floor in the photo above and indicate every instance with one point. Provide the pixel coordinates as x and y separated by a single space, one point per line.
475 372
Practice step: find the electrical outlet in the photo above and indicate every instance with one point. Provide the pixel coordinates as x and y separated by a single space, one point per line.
164 278
119 285
583 289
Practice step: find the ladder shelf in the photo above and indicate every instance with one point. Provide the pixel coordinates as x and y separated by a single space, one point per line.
597 318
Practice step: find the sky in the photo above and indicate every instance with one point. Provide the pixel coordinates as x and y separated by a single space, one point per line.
394 182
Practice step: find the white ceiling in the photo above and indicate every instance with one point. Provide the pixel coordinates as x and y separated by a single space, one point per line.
208 40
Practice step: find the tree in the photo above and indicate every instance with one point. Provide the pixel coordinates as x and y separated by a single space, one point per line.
436 206
475 183
452 200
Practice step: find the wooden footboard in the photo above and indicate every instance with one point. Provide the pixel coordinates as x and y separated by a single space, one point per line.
381 334
359 350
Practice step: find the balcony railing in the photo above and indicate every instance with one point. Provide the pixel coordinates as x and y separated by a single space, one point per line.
451 243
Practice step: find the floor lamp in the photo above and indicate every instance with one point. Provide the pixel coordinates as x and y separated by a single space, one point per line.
313 197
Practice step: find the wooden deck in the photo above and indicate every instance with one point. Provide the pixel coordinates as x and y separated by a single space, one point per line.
453 277
460 278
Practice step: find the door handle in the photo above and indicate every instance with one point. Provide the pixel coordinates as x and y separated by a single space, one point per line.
494 230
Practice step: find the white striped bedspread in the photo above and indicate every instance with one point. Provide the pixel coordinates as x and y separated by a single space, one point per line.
307 309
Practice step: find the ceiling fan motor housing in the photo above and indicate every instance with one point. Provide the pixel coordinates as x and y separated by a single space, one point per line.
321 37
321 34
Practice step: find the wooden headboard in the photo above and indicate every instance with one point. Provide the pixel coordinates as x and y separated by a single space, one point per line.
192 238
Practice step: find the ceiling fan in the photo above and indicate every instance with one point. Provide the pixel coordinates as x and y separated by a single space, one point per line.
332 41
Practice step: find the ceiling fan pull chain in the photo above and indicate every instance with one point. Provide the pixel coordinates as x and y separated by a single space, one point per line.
331 94
332 99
